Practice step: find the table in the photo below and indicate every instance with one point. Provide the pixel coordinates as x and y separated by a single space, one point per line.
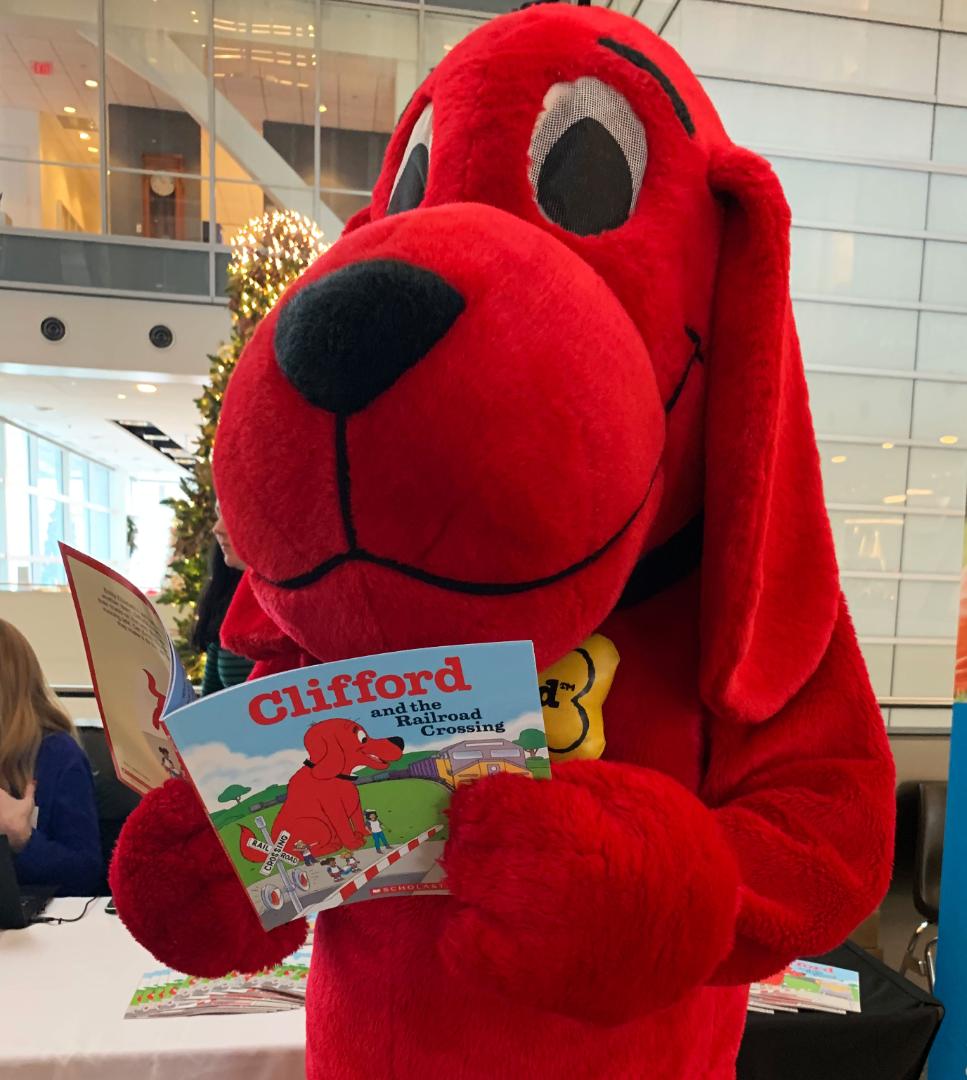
888 1040
63 992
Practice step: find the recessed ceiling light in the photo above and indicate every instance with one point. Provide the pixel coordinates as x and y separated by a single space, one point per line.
949 440
84 135
70 109
322 108
838 459
888 446
146 387
122 397
91 84
892 499
919 491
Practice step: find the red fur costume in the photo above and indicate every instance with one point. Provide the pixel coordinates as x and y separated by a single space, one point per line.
497 408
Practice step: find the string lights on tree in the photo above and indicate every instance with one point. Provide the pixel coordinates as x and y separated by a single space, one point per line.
268 253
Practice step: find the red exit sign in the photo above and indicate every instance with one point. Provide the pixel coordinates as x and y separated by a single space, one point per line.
42 67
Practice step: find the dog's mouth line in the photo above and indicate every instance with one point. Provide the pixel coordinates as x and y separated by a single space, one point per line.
357 554
459 585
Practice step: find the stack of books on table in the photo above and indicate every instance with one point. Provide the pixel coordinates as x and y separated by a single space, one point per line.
166 993
807 985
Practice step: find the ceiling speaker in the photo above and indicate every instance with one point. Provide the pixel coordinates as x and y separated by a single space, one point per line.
160 336
53 328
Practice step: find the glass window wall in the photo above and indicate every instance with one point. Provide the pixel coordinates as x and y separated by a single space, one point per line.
50 494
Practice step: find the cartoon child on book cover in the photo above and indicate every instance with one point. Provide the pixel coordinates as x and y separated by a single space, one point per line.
328 785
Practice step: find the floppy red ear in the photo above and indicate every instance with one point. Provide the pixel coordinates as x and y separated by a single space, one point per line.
769 577
248 631
328 758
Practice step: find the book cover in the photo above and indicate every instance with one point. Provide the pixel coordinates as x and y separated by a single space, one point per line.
328 784
163 992
804 984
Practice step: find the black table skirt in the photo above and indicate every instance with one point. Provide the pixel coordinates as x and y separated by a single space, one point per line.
888 1040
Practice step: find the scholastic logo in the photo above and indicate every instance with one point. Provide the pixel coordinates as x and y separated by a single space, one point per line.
428 886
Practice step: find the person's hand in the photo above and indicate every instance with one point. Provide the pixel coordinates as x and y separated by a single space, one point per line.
17 816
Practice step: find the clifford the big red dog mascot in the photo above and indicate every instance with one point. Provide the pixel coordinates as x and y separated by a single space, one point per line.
549 385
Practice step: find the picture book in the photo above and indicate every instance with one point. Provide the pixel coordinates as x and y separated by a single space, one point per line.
328 785
166 993
804 984
136 673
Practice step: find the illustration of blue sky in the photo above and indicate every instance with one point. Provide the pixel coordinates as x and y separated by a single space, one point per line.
502 675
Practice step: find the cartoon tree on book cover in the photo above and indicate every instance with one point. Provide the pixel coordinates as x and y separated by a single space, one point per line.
339 792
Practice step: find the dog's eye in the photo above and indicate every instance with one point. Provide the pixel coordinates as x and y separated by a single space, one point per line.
587 157
362 736
409 187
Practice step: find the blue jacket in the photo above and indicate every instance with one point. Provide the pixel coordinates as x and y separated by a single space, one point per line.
65 848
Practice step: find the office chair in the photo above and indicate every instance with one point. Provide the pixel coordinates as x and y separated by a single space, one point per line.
922 948
114 800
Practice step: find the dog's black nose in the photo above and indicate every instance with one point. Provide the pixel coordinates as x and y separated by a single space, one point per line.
348 337
396 741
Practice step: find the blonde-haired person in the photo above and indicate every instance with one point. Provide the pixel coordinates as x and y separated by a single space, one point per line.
47 809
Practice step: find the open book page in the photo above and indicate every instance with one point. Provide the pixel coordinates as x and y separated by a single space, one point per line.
135 671
328 785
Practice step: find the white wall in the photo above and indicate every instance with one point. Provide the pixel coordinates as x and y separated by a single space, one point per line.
48 622
19 138
110 333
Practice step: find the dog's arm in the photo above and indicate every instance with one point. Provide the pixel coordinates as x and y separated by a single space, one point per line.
806 802
612 890
340 812
177 893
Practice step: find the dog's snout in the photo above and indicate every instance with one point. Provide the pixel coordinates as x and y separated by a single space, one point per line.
396 741
345 339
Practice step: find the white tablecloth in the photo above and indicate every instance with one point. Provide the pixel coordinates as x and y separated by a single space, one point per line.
63 992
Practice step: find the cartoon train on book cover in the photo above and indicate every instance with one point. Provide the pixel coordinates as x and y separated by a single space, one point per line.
360 817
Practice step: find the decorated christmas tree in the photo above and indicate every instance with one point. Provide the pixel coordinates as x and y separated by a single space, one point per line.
267 254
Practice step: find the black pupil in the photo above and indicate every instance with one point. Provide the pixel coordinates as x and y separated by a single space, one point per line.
411 186
585 183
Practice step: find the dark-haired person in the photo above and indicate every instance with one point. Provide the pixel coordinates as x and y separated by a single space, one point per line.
222 667
47 808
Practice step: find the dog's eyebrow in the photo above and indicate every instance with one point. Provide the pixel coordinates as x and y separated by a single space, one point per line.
626 52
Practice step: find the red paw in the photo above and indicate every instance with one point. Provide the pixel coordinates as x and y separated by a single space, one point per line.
177 893
576 894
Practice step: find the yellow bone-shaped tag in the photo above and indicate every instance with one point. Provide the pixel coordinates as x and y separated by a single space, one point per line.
573 692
